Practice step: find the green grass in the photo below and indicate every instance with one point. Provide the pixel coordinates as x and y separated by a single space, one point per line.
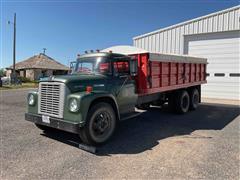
24 85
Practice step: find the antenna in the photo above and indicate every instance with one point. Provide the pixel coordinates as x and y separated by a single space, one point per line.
44 50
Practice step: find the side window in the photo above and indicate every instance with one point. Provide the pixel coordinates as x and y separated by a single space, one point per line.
121 67
105 68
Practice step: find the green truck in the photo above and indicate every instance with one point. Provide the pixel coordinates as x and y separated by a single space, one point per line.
105 87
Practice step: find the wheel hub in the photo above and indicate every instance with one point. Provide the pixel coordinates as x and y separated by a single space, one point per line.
101 123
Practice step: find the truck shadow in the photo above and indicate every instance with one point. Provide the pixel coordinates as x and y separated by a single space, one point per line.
147 130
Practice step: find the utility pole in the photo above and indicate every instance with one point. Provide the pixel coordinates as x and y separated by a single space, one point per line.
13 76
14 49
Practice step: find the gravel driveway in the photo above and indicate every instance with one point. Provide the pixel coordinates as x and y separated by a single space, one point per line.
155 145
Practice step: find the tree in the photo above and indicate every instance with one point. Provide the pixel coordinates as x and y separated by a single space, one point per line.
2 72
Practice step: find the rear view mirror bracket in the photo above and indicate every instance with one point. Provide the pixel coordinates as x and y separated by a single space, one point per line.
133 67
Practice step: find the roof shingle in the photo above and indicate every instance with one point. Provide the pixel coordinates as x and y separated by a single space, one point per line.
41 61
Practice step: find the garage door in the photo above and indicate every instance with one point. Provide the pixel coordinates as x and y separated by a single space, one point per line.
223 70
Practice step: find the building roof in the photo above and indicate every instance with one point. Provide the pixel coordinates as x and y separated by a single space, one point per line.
189 21
41 61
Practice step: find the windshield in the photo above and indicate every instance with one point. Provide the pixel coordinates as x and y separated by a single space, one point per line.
93 65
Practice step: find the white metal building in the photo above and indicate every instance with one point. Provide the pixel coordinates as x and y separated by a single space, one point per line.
216 37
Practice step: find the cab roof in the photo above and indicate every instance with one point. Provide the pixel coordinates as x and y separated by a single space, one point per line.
102 54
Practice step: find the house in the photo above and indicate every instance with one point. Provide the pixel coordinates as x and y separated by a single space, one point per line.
38 66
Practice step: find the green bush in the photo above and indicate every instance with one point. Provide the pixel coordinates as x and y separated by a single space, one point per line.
35 81
25 80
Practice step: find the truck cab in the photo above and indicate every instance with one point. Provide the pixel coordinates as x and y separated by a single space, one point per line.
90 101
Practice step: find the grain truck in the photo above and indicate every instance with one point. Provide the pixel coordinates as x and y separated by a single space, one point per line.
106 86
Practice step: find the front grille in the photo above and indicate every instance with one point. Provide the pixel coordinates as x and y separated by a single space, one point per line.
51 99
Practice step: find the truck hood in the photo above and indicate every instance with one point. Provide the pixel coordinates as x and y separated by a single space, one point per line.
78 82
74 77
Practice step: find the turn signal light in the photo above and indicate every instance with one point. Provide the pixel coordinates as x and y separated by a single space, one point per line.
89 89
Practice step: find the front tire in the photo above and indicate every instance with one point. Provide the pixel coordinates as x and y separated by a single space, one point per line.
100 125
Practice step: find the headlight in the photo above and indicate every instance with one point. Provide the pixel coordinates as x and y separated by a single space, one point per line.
73 105
31 99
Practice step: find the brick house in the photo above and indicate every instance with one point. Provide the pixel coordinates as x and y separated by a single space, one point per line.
38 66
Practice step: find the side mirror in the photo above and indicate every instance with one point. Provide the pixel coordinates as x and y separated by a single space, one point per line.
133 67
72 66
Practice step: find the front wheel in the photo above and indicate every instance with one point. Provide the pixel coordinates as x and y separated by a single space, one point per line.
100 125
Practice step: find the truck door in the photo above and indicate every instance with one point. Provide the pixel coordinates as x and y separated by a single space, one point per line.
125 87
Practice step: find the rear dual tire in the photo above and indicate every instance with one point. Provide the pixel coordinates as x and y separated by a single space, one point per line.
182 101
194 99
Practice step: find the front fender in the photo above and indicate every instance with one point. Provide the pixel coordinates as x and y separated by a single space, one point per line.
85 100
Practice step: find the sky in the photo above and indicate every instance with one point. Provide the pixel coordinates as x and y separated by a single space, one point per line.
67 28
